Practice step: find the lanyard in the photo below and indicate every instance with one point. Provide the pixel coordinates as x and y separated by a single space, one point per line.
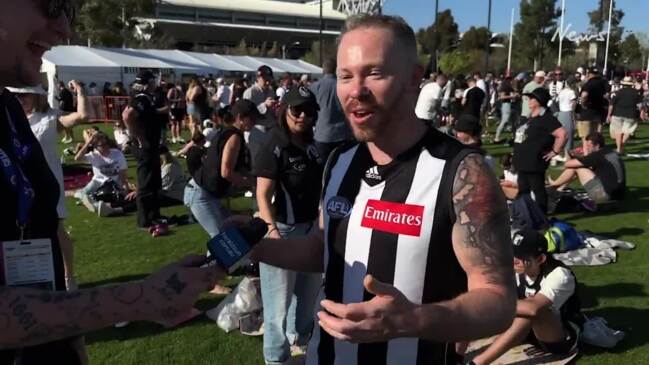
16 178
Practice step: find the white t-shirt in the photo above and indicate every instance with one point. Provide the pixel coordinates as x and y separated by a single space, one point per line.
482 85
121 137
106 168
427 101
558 286
223 95
44 126
566 97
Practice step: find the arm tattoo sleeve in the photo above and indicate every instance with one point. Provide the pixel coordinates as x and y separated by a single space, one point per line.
483 219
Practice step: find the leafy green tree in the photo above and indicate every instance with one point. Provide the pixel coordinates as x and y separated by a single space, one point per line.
442 36
532 37
475 39
631 52
459 62
599 23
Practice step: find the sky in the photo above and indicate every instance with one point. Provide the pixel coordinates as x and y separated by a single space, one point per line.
467 13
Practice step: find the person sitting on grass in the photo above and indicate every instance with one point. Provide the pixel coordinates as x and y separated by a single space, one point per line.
600 171
108 167
509 181
173 179
548 312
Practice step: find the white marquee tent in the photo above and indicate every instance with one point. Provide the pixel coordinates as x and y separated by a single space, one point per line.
102 65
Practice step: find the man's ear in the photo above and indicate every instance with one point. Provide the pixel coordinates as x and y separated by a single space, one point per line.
543 258
417 74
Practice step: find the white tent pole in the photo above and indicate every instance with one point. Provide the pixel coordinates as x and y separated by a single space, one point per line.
608 37
511 41
563 16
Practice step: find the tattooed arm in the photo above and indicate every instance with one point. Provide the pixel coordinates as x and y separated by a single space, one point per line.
482 244
31 317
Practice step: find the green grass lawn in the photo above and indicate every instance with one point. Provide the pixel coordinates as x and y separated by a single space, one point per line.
111 250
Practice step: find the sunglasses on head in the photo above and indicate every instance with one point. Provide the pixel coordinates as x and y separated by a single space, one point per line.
53 9
308 111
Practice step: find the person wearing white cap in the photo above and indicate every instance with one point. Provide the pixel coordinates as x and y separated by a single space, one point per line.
222 96
46 123
623 112
537 82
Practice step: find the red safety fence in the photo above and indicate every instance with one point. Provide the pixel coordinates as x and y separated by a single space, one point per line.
107 109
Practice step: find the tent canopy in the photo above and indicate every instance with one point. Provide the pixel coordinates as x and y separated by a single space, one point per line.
84 58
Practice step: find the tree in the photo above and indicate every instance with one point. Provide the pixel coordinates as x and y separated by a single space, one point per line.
459 62
442 36
475 39
631 52
110 23
534 31
599 23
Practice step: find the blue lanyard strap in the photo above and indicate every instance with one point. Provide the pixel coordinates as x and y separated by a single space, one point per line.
15 177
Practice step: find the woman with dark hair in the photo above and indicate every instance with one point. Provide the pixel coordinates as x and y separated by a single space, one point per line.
289 170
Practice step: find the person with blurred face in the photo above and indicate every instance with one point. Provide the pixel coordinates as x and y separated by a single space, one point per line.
222 166
401 284
548 312
39 322
289 176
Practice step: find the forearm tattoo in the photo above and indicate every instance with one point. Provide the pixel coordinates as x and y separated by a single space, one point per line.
482 215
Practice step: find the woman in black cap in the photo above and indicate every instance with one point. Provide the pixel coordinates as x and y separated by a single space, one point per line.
535 144
289 169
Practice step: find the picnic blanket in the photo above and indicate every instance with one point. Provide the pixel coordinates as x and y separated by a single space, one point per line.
598 251
522 354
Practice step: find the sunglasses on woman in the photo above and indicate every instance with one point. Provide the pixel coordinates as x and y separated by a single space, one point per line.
53 9
308 111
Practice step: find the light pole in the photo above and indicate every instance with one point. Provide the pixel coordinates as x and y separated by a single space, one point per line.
563 16
511 41
608 36
486 68
320 35
435 63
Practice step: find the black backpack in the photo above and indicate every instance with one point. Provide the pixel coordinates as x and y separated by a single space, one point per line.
525 213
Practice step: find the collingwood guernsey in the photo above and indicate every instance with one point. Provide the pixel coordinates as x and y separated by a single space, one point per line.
393 222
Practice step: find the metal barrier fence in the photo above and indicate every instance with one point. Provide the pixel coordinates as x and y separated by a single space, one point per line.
107 109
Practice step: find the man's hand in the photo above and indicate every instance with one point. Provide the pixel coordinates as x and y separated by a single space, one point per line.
172 290
550 155
131 196
388 315
270 102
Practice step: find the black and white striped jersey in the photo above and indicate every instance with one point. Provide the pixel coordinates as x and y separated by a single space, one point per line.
394 222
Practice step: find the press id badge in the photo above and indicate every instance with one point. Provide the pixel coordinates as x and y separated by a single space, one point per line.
28 263
521 134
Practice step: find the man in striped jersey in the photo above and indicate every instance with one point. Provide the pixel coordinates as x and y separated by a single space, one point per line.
414 239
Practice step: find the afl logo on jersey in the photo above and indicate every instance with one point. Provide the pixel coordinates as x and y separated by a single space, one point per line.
338 207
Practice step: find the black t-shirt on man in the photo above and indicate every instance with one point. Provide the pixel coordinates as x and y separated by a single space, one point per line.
594 108
609 168
533 140
474 99
298 176
625 103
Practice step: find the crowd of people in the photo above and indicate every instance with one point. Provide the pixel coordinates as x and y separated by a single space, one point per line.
368 200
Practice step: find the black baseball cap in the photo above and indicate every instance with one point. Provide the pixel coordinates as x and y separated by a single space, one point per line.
299 96
265 71
144 77
541 94
529 243
245 108
593 70
468 123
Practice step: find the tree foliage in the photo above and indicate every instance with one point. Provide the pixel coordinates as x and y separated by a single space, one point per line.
599 23
475 38
534 32
443 36
631 52
112 23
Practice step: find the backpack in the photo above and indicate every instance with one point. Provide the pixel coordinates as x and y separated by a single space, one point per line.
562 237
525 213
